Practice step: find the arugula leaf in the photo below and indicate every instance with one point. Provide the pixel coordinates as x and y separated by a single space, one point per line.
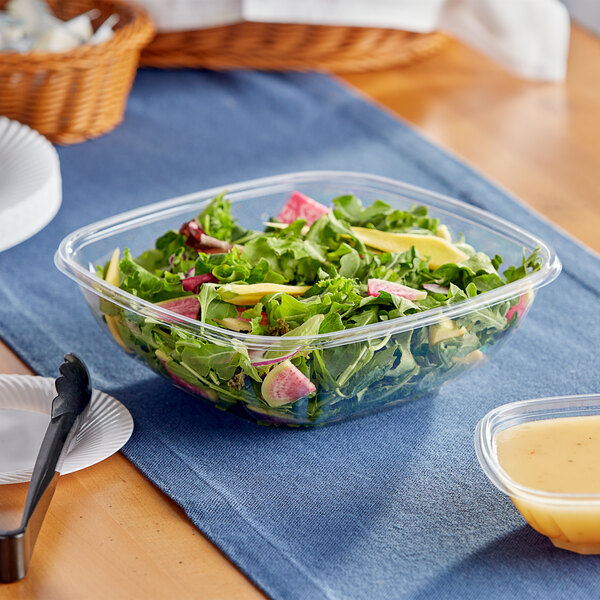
216 220
382 216
529 264
332 322
212 307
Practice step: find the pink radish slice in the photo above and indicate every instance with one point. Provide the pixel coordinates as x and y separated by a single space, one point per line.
435 288
300 206
284 384
376 286
518 308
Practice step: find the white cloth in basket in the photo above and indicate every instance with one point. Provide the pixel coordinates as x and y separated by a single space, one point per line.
528 37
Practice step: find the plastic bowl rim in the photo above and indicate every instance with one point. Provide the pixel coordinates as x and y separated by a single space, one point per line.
551 268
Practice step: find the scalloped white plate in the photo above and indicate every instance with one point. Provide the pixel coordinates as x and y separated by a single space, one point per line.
25 402
30 182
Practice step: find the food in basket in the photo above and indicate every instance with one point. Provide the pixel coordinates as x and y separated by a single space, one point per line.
30 25
353 267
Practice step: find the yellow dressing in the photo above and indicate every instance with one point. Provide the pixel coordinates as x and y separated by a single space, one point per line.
560 456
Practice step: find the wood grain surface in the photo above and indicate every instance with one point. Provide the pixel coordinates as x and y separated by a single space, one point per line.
110 533
540 141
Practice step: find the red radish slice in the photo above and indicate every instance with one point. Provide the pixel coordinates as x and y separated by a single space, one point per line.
193 284
435 288
300 206
284 384
519 308
376 286
188 306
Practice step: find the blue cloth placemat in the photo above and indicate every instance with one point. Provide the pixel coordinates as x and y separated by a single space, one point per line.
389 506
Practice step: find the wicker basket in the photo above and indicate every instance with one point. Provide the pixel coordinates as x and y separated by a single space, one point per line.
290 46
73 96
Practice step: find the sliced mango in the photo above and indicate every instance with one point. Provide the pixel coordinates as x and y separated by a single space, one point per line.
439 250
249 295
444 331
234 324
112 273
112 277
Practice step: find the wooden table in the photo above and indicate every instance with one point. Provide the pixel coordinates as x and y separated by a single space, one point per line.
110 533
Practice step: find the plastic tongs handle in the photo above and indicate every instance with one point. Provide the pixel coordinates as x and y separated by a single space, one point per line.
68 411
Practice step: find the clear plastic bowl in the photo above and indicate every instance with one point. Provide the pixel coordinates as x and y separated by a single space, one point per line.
377 383
571 521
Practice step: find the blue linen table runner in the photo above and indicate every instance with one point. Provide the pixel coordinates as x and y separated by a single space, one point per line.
389 506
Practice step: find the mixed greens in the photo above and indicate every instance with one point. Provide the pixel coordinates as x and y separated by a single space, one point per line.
311 271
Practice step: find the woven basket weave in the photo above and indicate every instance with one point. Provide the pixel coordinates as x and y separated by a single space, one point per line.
73 96
290 46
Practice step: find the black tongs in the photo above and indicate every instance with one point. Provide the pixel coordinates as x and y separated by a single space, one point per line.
68 413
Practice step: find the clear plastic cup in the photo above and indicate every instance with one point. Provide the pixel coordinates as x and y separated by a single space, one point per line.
571 521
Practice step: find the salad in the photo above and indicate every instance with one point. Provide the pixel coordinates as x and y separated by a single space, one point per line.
311 271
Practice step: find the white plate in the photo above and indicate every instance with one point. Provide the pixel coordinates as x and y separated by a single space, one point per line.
25 403
30 183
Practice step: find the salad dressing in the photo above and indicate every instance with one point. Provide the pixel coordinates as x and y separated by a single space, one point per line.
554 455
559 456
